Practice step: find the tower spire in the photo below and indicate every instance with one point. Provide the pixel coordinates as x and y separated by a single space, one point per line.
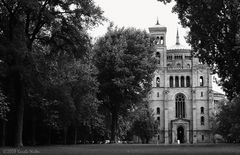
157 22
177 38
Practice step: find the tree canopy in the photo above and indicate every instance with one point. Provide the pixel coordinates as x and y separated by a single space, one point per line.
214 36
125 63
228 120
46 54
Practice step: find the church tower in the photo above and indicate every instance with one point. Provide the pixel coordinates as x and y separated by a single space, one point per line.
159 85
158 32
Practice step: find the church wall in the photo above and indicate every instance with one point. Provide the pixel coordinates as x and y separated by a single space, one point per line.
202 103
171 102
203 136
196 96
154 105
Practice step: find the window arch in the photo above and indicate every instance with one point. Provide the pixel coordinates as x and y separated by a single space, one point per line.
158 82
171 81
178 65
176 81
202 110
188 66
201 80
158 56
188 81
182 81
180 106
157 40
158 120
158 110
161 40
202 120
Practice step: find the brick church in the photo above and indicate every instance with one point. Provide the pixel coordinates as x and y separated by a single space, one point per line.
181 98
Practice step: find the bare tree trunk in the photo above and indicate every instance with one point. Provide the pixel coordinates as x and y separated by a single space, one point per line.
49 135
147 140
20 113
114 126
75 135
33 138
65 135
3 136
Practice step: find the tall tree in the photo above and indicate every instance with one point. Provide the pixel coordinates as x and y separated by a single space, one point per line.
125 63
25 22
144 124
228 120
214 36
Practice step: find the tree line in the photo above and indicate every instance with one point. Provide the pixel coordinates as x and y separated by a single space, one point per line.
57 87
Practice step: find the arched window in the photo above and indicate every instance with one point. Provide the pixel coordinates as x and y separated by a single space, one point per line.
161 40
182 81
171 81
158 56
202 120
158 110
201 94
157 40
158 82
158 120
202 110
201 80
176 81
157 94
180 106
188 81
178 65
188 66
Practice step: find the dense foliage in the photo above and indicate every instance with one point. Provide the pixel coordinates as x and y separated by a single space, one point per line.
214 36
47 72
228 120
144 124
125 63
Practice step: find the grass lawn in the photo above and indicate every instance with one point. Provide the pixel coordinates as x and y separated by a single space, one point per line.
128 149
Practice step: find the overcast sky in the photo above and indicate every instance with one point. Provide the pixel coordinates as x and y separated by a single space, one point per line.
142 14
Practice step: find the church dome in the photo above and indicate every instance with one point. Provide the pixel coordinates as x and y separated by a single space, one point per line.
178 47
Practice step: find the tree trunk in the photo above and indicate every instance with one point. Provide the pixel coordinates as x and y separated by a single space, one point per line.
3 136
20 112
114 126
33 138
147 140
75 135
49 135
65 134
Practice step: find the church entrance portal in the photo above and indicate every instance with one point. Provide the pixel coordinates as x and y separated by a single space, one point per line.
180 134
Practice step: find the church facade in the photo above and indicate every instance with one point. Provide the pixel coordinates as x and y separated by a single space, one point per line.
181 97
